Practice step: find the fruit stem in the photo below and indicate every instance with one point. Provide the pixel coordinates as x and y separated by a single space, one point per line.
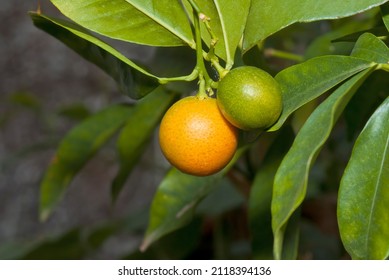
220 69
202 88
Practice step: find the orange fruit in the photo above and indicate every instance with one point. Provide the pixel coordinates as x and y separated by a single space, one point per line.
249 98
196 138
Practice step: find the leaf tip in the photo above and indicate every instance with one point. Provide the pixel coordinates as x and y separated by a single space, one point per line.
149 239
145 244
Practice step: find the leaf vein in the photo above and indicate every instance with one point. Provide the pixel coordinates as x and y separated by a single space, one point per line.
380 171
161 22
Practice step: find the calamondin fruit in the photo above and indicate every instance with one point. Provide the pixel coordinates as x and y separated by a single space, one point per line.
196 138
249 98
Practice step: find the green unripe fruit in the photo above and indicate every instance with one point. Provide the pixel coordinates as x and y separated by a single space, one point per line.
249 98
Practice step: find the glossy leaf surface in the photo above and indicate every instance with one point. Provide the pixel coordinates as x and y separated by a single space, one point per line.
371 48
131 79
363 199
148 22
291 181
269 16
233 15
176 198
75 149
306 81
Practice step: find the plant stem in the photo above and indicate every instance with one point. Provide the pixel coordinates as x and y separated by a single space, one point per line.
281 54
204 79
194 6
220 69
384 66
188 78
211 54
214 39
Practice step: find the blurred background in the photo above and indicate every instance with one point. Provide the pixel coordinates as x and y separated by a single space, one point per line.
45 89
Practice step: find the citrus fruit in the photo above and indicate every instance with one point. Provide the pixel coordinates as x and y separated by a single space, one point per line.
249 98
196 138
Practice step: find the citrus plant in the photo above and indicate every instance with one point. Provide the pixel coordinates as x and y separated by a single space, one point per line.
336 82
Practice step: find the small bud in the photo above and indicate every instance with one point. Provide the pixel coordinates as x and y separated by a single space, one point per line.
203 17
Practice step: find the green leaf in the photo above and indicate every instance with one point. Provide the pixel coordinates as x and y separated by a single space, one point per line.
304 82
363 199
135 134
76 111
75 149
291 237
147 22
233 15
338 40
371 48
227 21
26 100
209 9
290 184
379 31
132 79
176 198
385 15
269 16
259 212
